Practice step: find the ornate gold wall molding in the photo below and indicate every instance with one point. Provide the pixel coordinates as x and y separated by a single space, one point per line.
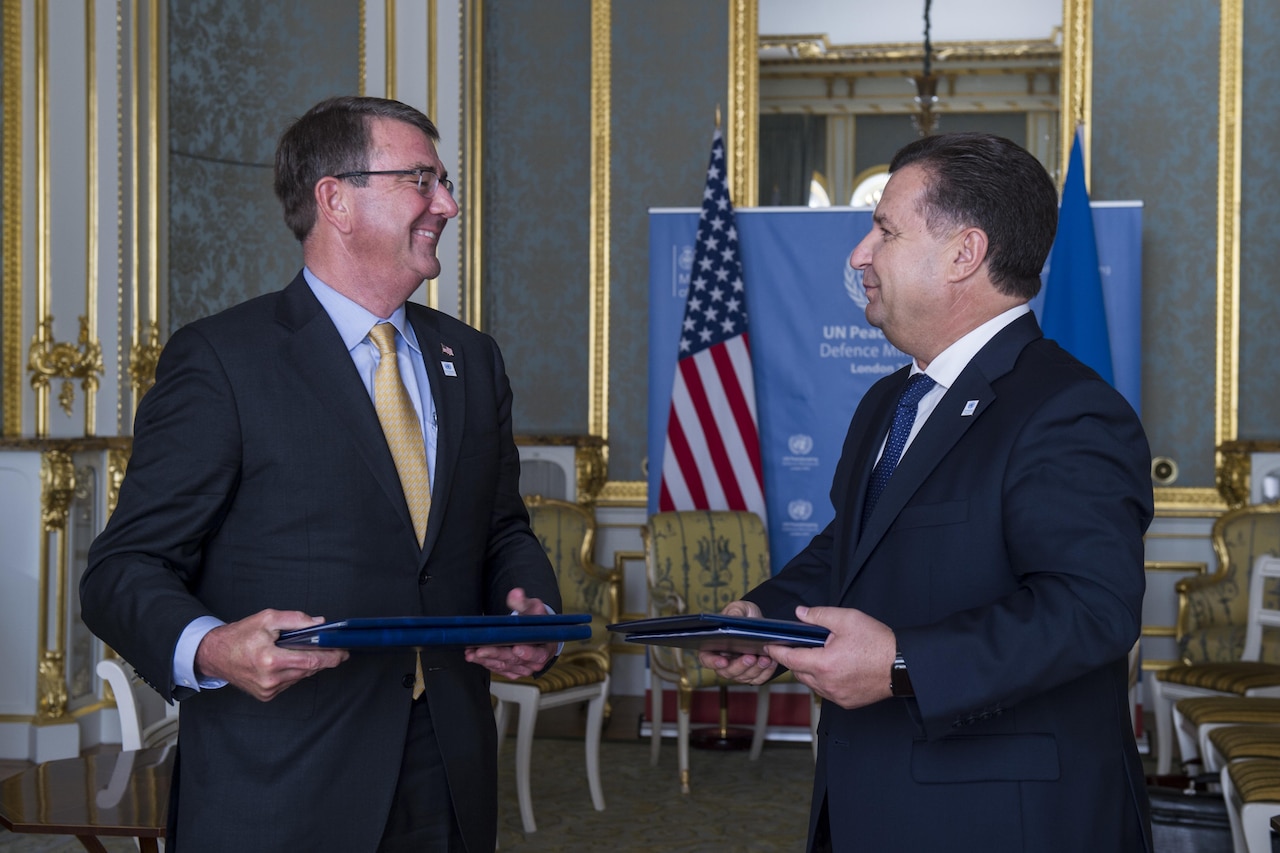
1076 101
1230 75
144 355
598 263
49 360
743 143
58 486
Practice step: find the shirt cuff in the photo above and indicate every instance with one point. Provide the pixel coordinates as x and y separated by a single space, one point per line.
184 656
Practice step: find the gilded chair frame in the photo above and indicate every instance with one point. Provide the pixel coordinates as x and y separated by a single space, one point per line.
1188 587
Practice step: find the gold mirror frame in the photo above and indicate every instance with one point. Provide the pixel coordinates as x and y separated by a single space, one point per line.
1076 108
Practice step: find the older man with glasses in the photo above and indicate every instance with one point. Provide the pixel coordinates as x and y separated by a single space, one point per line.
327 451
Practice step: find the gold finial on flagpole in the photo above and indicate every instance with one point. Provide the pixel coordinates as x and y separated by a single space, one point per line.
717 116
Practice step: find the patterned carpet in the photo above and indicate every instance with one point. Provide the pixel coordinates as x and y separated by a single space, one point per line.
645 811
735 806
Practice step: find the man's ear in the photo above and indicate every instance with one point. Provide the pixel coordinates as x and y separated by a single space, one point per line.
970 253
332 198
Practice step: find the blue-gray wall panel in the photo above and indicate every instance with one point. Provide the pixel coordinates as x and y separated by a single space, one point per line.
667 81
1260 224
536 185
238 73
1155 138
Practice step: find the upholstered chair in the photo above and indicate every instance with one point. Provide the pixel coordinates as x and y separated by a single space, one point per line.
567 532
1213 609
697 562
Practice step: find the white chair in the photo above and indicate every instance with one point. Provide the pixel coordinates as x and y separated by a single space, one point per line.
568 682
1249 789
1247 677
146 720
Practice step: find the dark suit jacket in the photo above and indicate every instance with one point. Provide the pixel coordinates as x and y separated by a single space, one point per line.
260 477
1006 553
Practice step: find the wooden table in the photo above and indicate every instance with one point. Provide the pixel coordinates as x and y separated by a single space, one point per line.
104 794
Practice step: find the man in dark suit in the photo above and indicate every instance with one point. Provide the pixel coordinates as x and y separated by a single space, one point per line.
262 496
981 609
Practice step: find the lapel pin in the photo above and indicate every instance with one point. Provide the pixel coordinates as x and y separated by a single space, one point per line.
448 368
969 408
446 349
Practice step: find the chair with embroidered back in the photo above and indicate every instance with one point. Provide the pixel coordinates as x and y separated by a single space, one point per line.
581 674
567 532
697 562
1253 672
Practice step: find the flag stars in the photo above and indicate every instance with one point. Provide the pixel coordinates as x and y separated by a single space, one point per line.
727 326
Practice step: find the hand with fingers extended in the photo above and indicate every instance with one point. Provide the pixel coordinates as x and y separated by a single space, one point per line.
853 668
747 669
245 654
516 661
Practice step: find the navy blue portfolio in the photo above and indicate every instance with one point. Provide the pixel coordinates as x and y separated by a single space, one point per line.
713 632
394 632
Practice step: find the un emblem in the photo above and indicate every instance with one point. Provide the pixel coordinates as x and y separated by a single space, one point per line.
853 285
685 261
800 444
800 510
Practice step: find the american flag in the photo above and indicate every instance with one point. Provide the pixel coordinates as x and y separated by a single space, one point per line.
712 454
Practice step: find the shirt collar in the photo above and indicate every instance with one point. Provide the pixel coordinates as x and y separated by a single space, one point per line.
951 361
353 320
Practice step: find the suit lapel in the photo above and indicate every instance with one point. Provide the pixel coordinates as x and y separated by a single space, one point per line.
956 413
446 371
317 353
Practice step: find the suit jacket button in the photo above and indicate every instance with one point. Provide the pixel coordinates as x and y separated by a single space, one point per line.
423 578
407 681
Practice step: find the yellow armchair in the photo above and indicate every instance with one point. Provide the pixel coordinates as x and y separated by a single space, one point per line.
567 532
1213 609
697 562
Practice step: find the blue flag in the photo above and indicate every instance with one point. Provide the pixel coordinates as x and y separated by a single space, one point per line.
1074 314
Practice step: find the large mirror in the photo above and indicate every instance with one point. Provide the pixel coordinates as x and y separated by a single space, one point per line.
842 85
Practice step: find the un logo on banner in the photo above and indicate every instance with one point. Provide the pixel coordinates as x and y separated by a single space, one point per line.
800 444
800 510
685 260
853 285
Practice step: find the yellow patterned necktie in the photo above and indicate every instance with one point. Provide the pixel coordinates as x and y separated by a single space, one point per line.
403 430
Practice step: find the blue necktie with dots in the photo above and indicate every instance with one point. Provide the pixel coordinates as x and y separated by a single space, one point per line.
903 419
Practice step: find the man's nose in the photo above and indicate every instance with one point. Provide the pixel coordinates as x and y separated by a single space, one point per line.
443 203
860 258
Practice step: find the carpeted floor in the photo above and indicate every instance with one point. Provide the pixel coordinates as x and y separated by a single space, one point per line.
645 811
735 805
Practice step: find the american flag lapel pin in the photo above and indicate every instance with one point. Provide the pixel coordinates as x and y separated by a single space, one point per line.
446 349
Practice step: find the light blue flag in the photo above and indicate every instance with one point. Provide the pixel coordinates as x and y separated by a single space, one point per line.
1074 313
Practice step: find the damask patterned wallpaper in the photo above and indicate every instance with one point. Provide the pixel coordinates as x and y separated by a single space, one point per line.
667 81
1155 138
1260 224
536 184
239 71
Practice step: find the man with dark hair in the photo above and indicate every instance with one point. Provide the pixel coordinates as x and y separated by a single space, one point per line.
332 451
983 576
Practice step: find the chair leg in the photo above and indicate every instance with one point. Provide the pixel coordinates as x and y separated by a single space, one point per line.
762 721
1255 821
655 716
524 756
500 709
1188 748
1232 800
1163 708
682 739
815 714
595 722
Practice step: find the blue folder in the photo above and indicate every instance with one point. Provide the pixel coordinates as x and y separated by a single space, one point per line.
395 632
714 632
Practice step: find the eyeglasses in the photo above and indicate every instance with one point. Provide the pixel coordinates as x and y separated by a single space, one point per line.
427 179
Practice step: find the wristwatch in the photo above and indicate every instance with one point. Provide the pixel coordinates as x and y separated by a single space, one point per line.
899 680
